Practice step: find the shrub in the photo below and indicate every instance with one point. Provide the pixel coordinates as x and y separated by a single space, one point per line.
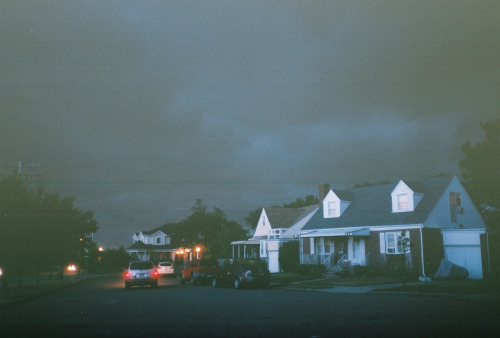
289 256
311 269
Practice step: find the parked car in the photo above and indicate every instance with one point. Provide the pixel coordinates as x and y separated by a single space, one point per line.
141 273
240 274
165 269
200 270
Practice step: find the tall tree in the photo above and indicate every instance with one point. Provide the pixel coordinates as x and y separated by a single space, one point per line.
208 229
39 229
481 172
481 166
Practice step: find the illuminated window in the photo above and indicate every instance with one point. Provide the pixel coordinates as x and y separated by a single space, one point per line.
403 202
392 243
332 208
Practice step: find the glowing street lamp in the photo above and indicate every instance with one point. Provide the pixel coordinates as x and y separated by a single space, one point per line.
198 252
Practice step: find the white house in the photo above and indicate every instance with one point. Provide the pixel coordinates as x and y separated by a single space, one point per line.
153 245
275 226
362 226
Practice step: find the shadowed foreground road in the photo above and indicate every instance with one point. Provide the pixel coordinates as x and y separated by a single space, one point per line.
102 307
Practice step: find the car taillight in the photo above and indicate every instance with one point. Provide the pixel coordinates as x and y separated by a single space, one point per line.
155 273
127 275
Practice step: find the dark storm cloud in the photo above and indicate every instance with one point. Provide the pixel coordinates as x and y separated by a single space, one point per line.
138 108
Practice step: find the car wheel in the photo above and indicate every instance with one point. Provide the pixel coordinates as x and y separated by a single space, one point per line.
127 286
237 283
214 283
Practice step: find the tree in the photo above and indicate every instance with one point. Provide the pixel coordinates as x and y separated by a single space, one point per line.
209 229
481 166
481 174
39 230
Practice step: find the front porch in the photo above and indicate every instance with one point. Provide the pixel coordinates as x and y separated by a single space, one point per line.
334 248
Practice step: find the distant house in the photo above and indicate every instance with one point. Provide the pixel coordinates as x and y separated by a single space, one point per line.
362 226
153 245
275 226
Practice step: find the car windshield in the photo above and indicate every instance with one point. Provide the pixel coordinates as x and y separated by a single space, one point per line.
141 266
166 264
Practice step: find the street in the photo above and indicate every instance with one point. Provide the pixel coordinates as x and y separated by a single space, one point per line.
102 307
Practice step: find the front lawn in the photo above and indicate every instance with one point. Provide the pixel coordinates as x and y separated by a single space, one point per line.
469 286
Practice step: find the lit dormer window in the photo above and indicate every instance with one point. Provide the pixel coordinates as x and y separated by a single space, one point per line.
403 202
404 199
332 208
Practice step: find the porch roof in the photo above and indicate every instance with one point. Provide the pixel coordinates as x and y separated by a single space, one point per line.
247 242
337 232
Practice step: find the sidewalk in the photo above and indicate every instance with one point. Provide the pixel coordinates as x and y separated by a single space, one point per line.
350 289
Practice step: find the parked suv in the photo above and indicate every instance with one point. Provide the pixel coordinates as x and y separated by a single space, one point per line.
239 274
141 273
200 270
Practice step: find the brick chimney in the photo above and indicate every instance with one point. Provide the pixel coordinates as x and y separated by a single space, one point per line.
323 189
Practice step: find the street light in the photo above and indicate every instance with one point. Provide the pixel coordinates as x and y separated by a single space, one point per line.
198 252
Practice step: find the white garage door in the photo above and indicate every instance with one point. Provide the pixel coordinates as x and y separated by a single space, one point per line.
467 256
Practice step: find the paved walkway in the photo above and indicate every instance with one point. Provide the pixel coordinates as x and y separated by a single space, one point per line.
353 289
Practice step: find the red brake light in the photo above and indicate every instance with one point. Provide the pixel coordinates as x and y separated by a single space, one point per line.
127 275
155 272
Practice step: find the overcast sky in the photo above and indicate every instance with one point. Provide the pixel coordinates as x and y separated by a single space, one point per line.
137 108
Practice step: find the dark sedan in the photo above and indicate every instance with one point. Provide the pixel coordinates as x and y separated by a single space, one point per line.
240 274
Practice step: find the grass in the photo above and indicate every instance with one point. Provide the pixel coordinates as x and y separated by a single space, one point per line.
15 294
463 287
469 286
328 283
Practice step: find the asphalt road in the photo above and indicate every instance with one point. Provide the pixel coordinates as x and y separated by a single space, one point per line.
102 307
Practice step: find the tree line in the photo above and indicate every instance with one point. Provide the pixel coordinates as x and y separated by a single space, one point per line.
40 231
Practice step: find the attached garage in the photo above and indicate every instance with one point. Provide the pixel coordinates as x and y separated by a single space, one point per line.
463 248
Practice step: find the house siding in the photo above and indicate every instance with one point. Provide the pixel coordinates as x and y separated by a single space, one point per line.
433 249
393 261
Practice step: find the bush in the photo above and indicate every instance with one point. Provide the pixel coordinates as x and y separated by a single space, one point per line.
289 256
311 269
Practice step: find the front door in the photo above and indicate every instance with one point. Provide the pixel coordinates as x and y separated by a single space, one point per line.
358 251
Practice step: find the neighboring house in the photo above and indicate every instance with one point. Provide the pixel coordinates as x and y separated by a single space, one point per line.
153 245
361 226
275 226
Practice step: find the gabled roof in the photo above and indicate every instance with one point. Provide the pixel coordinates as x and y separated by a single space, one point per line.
164 228
139 245
286 217
372 206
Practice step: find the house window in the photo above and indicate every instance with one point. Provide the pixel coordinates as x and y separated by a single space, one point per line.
158 240
403 202
332 208
455 205
392 245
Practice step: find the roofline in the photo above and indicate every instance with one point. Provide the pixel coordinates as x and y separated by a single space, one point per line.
371 227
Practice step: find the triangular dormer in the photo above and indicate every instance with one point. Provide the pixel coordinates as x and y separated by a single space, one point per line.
333 205
404 199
